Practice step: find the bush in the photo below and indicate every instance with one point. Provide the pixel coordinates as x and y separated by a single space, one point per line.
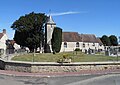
77 49
56 40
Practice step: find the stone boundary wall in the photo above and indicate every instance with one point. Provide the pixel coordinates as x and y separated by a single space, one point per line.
51 67
20 67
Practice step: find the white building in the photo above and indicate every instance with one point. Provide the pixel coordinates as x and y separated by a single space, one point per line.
72 40
85 42
3 38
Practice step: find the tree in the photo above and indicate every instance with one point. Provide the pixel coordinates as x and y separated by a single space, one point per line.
56 39
105 40
29 30
113 40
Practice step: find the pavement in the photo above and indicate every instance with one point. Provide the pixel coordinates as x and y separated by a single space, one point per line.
44 79
14 80
111 79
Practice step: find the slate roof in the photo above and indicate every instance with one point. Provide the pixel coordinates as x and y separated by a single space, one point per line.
76 37
99 41
88 38
50 20
70 37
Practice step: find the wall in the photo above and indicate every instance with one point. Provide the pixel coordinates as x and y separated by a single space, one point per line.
49 31
18 66
71 68
3 42
72 46
50 67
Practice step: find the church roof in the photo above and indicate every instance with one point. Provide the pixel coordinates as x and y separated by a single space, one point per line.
76 37
99 41
70 37
50 20
2 34
88 38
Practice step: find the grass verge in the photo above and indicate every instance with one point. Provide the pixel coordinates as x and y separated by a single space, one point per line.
49 57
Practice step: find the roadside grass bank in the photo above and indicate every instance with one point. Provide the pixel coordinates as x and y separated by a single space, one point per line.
75 57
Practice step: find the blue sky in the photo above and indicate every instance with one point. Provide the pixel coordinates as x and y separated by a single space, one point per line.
99 17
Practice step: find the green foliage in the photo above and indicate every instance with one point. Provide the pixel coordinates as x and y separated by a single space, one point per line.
113 40
105 40
109 41
56 39
77 49
29 30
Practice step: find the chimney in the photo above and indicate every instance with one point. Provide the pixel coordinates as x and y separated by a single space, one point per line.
4 31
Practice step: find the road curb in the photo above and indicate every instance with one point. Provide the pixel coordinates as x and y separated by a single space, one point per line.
47 75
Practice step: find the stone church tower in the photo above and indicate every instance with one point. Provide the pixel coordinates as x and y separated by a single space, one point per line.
49 27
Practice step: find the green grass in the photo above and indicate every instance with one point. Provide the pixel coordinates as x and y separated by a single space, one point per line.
49 57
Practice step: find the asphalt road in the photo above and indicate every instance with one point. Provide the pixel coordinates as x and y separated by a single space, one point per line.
111 79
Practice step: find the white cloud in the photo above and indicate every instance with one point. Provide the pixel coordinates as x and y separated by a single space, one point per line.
65 13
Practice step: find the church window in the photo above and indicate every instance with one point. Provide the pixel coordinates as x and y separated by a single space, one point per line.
65 45
83 44
51 25
77 44
88 44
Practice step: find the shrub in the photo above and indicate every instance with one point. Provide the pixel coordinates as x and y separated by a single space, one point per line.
56 40
77 49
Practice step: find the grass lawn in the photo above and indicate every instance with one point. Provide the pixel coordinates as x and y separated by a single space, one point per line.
49 57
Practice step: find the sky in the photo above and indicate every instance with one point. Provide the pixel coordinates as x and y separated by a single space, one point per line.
99 17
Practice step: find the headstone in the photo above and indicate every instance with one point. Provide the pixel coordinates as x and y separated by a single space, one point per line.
86 51
89 51
107 53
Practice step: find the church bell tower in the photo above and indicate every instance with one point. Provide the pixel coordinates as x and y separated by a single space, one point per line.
49 27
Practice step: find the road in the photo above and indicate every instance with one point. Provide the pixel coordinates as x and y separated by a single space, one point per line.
111 79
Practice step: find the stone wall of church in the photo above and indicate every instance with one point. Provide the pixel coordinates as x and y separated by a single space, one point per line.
49 33
72 46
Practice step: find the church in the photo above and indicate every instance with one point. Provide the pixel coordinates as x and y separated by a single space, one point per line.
73 40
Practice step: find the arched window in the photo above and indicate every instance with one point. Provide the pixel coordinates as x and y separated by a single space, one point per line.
65 44
77 44
83 45
88 44
93 44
